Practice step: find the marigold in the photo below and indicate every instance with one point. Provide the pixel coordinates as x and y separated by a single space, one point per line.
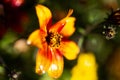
53 43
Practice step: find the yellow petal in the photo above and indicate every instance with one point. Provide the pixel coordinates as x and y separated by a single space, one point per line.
75 73
69 49
56 67
61 24
86 60
42 61
44 16
35 39
86 68
69 28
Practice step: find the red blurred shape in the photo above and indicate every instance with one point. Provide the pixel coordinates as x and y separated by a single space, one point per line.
17 3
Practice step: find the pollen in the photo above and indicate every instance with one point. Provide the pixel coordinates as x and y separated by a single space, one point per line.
109 32
53 39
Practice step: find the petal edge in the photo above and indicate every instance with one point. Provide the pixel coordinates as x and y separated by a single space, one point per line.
56 67
35 39
44 16
69 49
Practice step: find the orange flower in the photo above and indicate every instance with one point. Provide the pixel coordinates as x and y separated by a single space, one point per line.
53 43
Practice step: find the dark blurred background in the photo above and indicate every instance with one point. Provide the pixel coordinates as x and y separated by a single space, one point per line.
18 19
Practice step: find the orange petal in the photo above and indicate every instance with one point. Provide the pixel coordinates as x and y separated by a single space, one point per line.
69 49
36 38
42 61
69 28
56 67
44 16
59 25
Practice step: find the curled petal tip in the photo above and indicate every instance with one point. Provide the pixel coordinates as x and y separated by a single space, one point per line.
28 42
42 69
70 12
39 71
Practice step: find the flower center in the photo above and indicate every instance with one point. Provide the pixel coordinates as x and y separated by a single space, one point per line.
53 39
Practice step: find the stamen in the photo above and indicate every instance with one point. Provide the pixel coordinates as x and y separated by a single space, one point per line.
109 32
53 39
